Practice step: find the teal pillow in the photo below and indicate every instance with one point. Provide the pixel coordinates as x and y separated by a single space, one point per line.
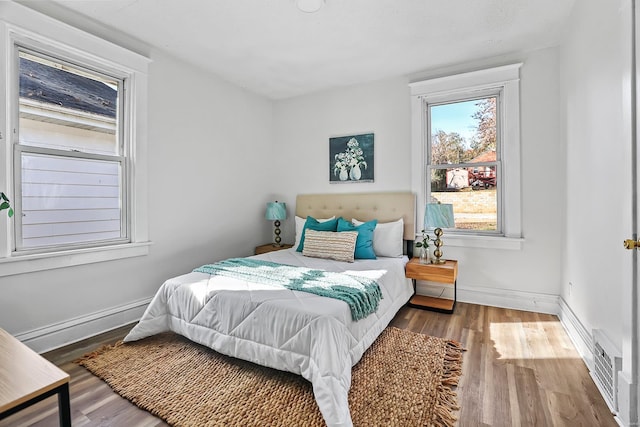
364 242
314 224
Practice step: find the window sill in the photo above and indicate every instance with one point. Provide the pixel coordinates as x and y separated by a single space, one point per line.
19 264
483 242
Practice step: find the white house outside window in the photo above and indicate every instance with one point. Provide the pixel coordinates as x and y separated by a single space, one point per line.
466 153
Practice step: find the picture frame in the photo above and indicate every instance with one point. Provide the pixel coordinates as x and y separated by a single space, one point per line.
351 158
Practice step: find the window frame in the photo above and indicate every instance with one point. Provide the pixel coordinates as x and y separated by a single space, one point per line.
504 81
21 27
428 141
119 157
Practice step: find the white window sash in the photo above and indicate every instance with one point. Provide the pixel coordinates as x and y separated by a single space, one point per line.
463 165
17 202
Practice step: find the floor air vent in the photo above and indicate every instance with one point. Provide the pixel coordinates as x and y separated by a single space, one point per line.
607 361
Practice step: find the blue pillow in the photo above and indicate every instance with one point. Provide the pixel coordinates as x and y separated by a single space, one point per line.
316 225
364 242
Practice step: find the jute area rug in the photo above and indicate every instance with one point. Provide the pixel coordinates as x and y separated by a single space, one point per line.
404 379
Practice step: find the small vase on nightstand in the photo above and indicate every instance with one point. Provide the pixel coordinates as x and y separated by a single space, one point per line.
424 255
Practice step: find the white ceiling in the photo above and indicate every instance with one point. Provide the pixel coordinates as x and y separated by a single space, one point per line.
272 48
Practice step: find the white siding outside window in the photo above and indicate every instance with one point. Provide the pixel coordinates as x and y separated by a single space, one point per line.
68 201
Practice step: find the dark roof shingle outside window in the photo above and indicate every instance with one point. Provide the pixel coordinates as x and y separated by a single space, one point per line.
51 85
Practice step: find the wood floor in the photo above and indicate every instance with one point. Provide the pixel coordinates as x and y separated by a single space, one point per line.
520 369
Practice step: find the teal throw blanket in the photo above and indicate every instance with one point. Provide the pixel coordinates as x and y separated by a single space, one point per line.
360 293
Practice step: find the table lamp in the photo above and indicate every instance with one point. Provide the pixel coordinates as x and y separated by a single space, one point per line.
276 211
438 216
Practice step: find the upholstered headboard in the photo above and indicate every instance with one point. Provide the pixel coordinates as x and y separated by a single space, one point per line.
384 207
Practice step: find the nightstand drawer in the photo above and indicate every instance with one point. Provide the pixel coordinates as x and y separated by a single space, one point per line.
444 273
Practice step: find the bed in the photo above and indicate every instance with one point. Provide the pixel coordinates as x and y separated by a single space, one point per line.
307 334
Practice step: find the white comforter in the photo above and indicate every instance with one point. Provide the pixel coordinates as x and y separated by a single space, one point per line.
306 334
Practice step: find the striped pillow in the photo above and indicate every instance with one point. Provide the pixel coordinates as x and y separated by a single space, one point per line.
329 244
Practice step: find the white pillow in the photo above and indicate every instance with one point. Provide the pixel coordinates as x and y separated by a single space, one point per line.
300 225
387 238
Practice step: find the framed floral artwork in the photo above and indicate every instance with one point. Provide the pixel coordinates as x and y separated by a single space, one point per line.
351 158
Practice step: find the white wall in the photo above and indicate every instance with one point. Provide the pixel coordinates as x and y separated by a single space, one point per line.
208 185
209 180
595 66
303 126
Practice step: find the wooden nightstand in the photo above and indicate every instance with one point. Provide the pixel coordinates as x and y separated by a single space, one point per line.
442 273
269 247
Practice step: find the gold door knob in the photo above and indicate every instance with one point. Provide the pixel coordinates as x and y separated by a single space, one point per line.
631 244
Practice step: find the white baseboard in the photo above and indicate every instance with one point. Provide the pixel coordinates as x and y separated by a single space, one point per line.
517 300
73 330
579 334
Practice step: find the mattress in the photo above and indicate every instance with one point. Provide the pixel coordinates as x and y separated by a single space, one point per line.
299 332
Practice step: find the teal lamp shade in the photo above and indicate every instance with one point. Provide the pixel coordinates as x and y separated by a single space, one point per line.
439 215
276 211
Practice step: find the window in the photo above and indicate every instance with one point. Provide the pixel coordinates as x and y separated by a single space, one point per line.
70 156
463 163
466 152
72 145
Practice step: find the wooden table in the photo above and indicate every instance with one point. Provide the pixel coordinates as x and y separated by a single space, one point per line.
27 378
446 273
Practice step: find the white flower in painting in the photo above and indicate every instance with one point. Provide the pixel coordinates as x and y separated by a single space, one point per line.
351 157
